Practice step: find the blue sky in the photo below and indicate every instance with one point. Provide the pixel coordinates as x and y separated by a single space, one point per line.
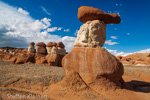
61 23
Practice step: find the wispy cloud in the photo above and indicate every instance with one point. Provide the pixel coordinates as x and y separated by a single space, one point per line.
53 29
114 37
109 42
44 9
66 30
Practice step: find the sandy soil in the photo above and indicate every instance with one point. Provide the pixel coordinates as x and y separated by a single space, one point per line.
39 80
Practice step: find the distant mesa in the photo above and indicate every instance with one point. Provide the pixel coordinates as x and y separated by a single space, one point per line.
86 13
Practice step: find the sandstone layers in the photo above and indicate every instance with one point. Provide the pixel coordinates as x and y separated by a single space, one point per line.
96 67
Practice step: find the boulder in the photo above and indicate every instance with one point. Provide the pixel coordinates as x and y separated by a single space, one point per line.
40 58
24 58
86 13
13 60
91 34
24 51
52 59
99 69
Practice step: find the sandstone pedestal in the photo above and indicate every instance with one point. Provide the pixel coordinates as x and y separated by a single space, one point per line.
52 59
99 69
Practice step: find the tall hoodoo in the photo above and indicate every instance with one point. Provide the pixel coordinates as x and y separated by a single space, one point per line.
31 48
99 69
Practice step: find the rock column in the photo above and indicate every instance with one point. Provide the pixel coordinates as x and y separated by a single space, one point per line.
31 48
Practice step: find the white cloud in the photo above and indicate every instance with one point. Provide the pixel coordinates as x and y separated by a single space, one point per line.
76 32
44 9
66 30
67 38
109 42
128 34
53 29
69 42
23 11
116 53
113 37
144 51
59 28
19 30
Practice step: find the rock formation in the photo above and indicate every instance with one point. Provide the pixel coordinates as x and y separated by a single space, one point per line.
91 34
54 50
60 46
49 47
89 13
40 48
99 69
31 48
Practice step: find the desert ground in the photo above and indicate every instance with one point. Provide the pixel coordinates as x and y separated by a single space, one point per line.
36 79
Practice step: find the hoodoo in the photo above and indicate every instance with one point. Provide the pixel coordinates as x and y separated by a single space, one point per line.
31 48
99 69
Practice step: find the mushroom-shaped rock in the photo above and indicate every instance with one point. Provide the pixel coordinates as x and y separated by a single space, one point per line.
91 34
60 44
31 48
49 47
40 48
86 13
